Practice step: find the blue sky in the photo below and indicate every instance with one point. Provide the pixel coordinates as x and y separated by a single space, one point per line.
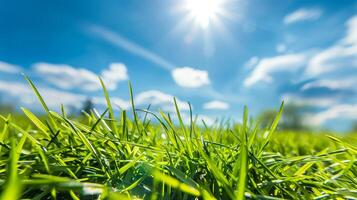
253 53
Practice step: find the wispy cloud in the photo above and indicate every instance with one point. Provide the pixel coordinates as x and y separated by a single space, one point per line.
333 84
251 62
68 77
266 66
318 101
303 14
341 56
9 68
332 68
216 105
130 46
341 111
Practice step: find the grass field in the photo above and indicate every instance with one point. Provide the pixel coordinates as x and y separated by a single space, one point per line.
107 156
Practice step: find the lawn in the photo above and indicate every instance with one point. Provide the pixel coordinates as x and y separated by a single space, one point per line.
139 154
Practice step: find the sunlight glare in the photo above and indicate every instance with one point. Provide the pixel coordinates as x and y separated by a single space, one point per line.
204 11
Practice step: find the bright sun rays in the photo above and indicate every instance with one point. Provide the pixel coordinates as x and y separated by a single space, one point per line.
204 12
201 19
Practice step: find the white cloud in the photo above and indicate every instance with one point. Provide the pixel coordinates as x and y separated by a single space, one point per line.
281 48
159 99
251 62
207 119
303 14
266 66
9 68
338 84
310 101
115 73
115 101
53 97
341 111
332 59
351 37
342 55
190 78
68 77
216 105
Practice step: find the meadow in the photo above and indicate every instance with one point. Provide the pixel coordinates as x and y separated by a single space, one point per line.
141 154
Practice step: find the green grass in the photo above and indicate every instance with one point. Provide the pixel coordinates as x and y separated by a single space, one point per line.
120 157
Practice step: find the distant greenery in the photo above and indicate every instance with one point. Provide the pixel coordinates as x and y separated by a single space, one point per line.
291 119
354 127
116 157
6 108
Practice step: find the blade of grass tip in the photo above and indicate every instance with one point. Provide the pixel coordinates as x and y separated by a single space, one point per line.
64 114
146 114
187 138
136 120
37 122
13 186
272 128
39 97
253 135
111 112
156 117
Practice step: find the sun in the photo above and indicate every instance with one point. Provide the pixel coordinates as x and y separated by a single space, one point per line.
204 11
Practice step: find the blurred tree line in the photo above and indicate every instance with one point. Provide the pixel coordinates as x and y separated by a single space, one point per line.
291 119
354 127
